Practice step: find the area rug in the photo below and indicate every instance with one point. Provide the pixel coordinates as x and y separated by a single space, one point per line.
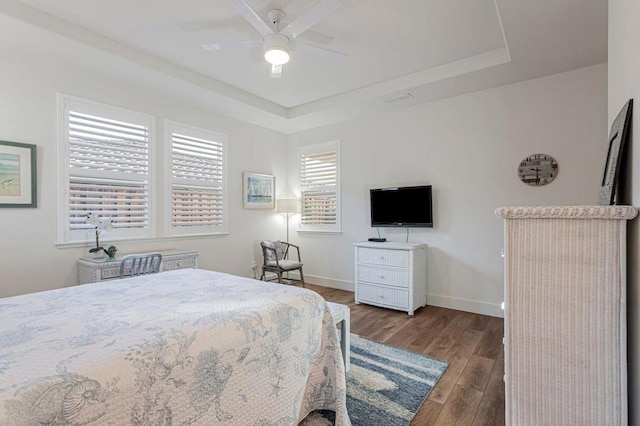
385 385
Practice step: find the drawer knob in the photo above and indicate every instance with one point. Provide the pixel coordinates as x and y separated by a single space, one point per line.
381 296
382 257
180 263
381 276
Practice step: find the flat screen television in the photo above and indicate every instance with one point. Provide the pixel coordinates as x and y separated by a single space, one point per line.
402 206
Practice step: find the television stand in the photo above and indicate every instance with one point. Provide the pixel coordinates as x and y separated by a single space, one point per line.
391 275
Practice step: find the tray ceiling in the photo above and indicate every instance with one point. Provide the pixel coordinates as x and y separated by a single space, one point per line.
428 48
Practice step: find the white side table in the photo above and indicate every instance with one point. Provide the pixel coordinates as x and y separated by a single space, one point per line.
342 315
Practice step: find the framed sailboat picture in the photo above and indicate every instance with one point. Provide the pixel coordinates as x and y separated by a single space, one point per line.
17 175
258 190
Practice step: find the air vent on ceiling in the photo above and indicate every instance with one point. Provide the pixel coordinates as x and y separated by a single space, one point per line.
397 98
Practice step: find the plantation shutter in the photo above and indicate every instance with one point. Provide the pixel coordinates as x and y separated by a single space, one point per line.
319 187
197 180
107 163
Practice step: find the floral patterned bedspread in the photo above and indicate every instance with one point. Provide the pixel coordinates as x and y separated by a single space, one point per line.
184 347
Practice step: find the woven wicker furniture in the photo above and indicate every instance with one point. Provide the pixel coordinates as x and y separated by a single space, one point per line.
96 270
391 275
565 315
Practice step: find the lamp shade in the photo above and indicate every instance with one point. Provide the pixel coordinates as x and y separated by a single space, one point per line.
288 205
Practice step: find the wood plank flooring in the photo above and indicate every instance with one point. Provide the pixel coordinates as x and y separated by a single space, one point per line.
471 392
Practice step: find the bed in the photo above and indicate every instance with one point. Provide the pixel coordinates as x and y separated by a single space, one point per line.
178 348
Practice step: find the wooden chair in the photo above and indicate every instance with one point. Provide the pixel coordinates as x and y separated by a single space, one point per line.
275 255
140 264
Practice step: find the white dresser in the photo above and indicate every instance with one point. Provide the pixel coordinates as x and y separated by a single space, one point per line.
95 270
391 275
565 315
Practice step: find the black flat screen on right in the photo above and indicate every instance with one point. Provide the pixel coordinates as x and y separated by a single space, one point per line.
409 206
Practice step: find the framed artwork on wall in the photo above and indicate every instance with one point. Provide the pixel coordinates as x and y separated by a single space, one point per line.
258 190
615 155
18 182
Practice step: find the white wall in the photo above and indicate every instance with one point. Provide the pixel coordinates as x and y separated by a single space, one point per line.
624 83
468 148
29 80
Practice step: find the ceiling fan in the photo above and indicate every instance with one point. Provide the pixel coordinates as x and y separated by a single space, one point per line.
275 41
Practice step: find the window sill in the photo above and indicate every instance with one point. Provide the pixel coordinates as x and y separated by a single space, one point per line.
108 242
317 231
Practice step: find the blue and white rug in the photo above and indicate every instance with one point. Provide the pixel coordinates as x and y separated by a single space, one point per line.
385 385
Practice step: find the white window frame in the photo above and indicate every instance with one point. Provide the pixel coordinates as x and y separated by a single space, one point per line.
335 228
65 235
172 127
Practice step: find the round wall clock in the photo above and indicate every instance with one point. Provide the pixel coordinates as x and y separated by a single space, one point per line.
538 169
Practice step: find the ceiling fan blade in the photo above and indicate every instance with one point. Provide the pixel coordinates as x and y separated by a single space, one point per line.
209 24
243 8
329 54
317 37
312 16
231 44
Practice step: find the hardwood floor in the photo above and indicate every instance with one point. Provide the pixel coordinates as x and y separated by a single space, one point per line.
471 392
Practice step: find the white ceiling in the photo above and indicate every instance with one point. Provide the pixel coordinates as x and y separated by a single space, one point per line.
429 48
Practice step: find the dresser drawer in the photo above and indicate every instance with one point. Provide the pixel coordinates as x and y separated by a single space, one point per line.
110 273
397 298
383 257
385 276
170 265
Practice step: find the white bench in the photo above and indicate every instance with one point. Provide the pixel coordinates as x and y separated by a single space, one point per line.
342 315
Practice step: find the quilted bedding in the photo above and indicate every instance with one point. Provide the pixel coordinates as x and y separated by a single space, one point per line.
184 347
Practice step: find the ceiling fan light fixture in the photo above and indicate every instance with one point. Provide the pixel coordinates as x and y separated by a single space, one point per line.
276 71
276 49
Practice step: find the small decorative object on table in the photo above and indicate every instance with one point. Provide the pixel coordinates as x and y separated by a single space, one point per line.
111 252
101 226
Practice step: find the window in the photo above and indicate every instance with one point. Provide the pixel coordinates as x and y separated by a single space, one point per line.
106 168
319 181
197 183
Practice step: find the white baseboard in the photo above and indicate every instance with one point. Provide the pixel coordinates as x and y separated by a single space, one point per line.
330 282
467 305
459 304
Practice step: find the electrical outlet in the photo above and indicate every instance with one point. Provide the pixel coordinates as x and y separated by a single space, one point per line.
254 268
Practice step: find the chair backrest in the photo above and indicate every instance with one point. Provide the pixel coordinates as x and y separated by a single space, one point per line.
269 254
140 264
